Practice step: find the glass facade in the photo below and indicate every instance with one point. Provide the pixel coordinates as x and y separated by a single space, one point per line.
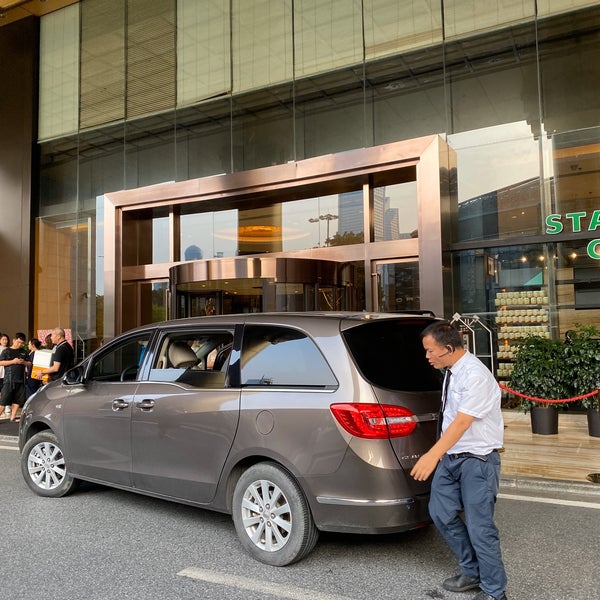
251 84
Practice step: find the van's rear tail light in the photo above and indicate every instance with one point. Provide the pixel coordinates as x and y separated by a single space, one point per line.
374 421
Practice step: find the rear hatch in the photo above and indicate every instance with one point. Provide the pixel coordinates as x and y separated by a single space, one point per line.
390 356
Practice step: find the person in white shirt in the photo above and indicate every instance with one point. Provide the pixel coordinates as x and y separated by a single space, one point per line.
466 464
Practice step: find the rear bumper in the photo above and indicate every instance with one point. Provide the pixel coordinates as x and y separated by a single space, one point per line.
357 515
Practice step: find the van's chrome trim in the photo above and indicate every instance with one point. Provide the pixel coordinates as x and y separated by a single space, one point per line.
364 501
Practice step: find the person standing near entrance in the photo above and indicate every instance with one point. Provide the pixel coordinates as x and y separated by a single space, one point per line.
14 360
62 355
466 462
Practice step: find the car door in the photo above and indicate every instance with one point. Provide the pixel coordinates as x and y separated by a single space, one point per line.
185 416
97 412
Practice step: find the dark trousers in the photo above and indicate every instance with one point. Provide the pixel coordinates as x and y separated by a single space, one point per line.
470 484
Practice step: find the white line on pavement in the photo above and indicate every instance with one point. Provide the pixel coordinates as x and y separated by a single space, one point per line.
9 447
255 585
578 503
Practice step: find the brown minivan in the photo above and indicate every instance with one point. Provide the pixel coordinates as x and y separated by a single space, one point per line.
293 423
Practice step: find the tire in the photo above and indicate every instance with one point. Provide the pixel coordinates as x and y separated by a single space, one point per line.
44 467
288 533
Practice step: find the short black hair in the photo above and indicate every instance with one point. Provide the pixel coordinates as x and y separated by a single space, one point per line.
444 333
20 336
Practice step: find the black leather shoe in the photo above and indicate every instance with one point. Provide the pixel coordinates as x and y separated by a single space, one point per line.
461 583
484 596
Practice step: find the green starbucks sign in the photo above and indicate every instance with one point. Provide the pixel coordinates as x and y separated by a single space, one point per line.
575 221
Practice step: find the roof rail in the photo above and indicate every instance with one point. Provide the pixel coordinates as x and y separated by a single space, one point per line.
428 313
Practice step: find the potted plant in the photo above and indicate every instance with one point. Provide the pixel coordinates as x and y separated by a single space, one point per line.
582 358
539 371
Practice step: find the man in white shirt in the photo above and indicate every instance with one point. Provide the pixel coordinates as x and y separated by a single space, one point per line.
466 463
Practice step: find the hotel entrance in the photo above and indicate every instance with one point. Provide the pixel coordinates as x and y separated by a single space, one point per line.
358 230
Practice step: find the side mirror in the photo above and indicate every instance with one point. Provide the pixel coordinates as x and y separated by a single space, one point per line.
74 376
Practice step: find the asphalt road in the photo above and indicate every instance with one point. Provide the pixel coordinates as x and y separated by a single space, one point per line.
103 544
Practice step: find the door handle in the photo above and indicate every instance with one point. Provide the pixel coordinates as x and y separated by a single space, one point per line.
146 405
119 404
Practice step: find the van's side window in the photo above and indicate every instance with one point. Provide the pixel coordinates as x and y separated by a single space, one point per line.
282 356
120 362
199 358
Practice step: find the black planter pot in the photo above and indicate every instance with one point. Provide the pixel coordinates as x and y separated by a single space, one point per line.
593 418
544 420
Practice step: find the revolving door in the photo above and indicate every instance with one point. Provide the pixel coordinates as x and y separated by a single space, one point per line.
260 284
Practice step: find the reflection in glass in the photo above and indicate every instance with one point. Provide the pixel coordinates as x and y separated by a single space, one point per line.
203 234
160 240
395 212
501 269
499 190
398 286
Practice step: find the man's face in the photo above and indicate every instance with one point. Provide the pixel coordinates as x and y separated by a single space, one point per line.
439 356
55 338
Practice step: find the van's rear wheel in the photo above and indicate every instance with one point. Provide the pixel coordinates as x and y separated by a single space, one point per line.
272 517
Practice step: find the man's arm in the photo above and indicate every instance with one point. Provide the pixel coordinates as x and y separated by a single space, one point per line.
428 462
14 361
53 369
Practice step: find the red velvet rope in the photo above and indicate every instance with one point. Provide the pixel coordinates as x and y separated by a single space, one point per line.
534 399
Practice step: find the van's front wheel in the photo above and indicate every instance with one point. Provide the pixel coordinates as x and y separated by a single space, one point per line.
272 517
44 467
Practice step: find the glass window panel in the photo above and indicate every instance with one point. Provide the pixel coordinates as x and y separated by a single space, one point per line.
577 285
55 277
398 286
150 153
203 144
392 26
262 43
395 212
146 237
203 50
151 56
570 72
336 121
334 220
263 128
576 169
550 7
59 73
327 35
208 234
499 189
102 62
160 240
464 17
483 274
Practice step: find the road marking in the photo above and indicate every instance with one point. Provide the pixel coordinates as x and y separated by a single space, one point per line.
255 585
577 503
9 447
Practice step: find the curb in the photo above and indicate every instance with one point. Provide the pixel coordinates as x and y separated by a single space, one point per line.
557 486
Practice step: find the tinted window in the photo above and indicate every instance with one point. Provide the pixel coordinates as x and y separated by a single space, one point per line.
121 361
282 356
390 354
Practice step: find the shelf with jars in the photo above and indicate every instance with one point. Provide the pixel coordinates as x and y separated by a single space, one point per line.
518 314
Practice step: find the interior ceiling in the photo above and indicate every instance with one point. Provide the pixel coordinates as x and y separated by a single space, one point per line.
14 10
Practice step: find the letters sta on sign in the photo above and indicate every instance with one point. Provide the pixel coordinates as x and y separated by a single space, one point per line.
554 225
